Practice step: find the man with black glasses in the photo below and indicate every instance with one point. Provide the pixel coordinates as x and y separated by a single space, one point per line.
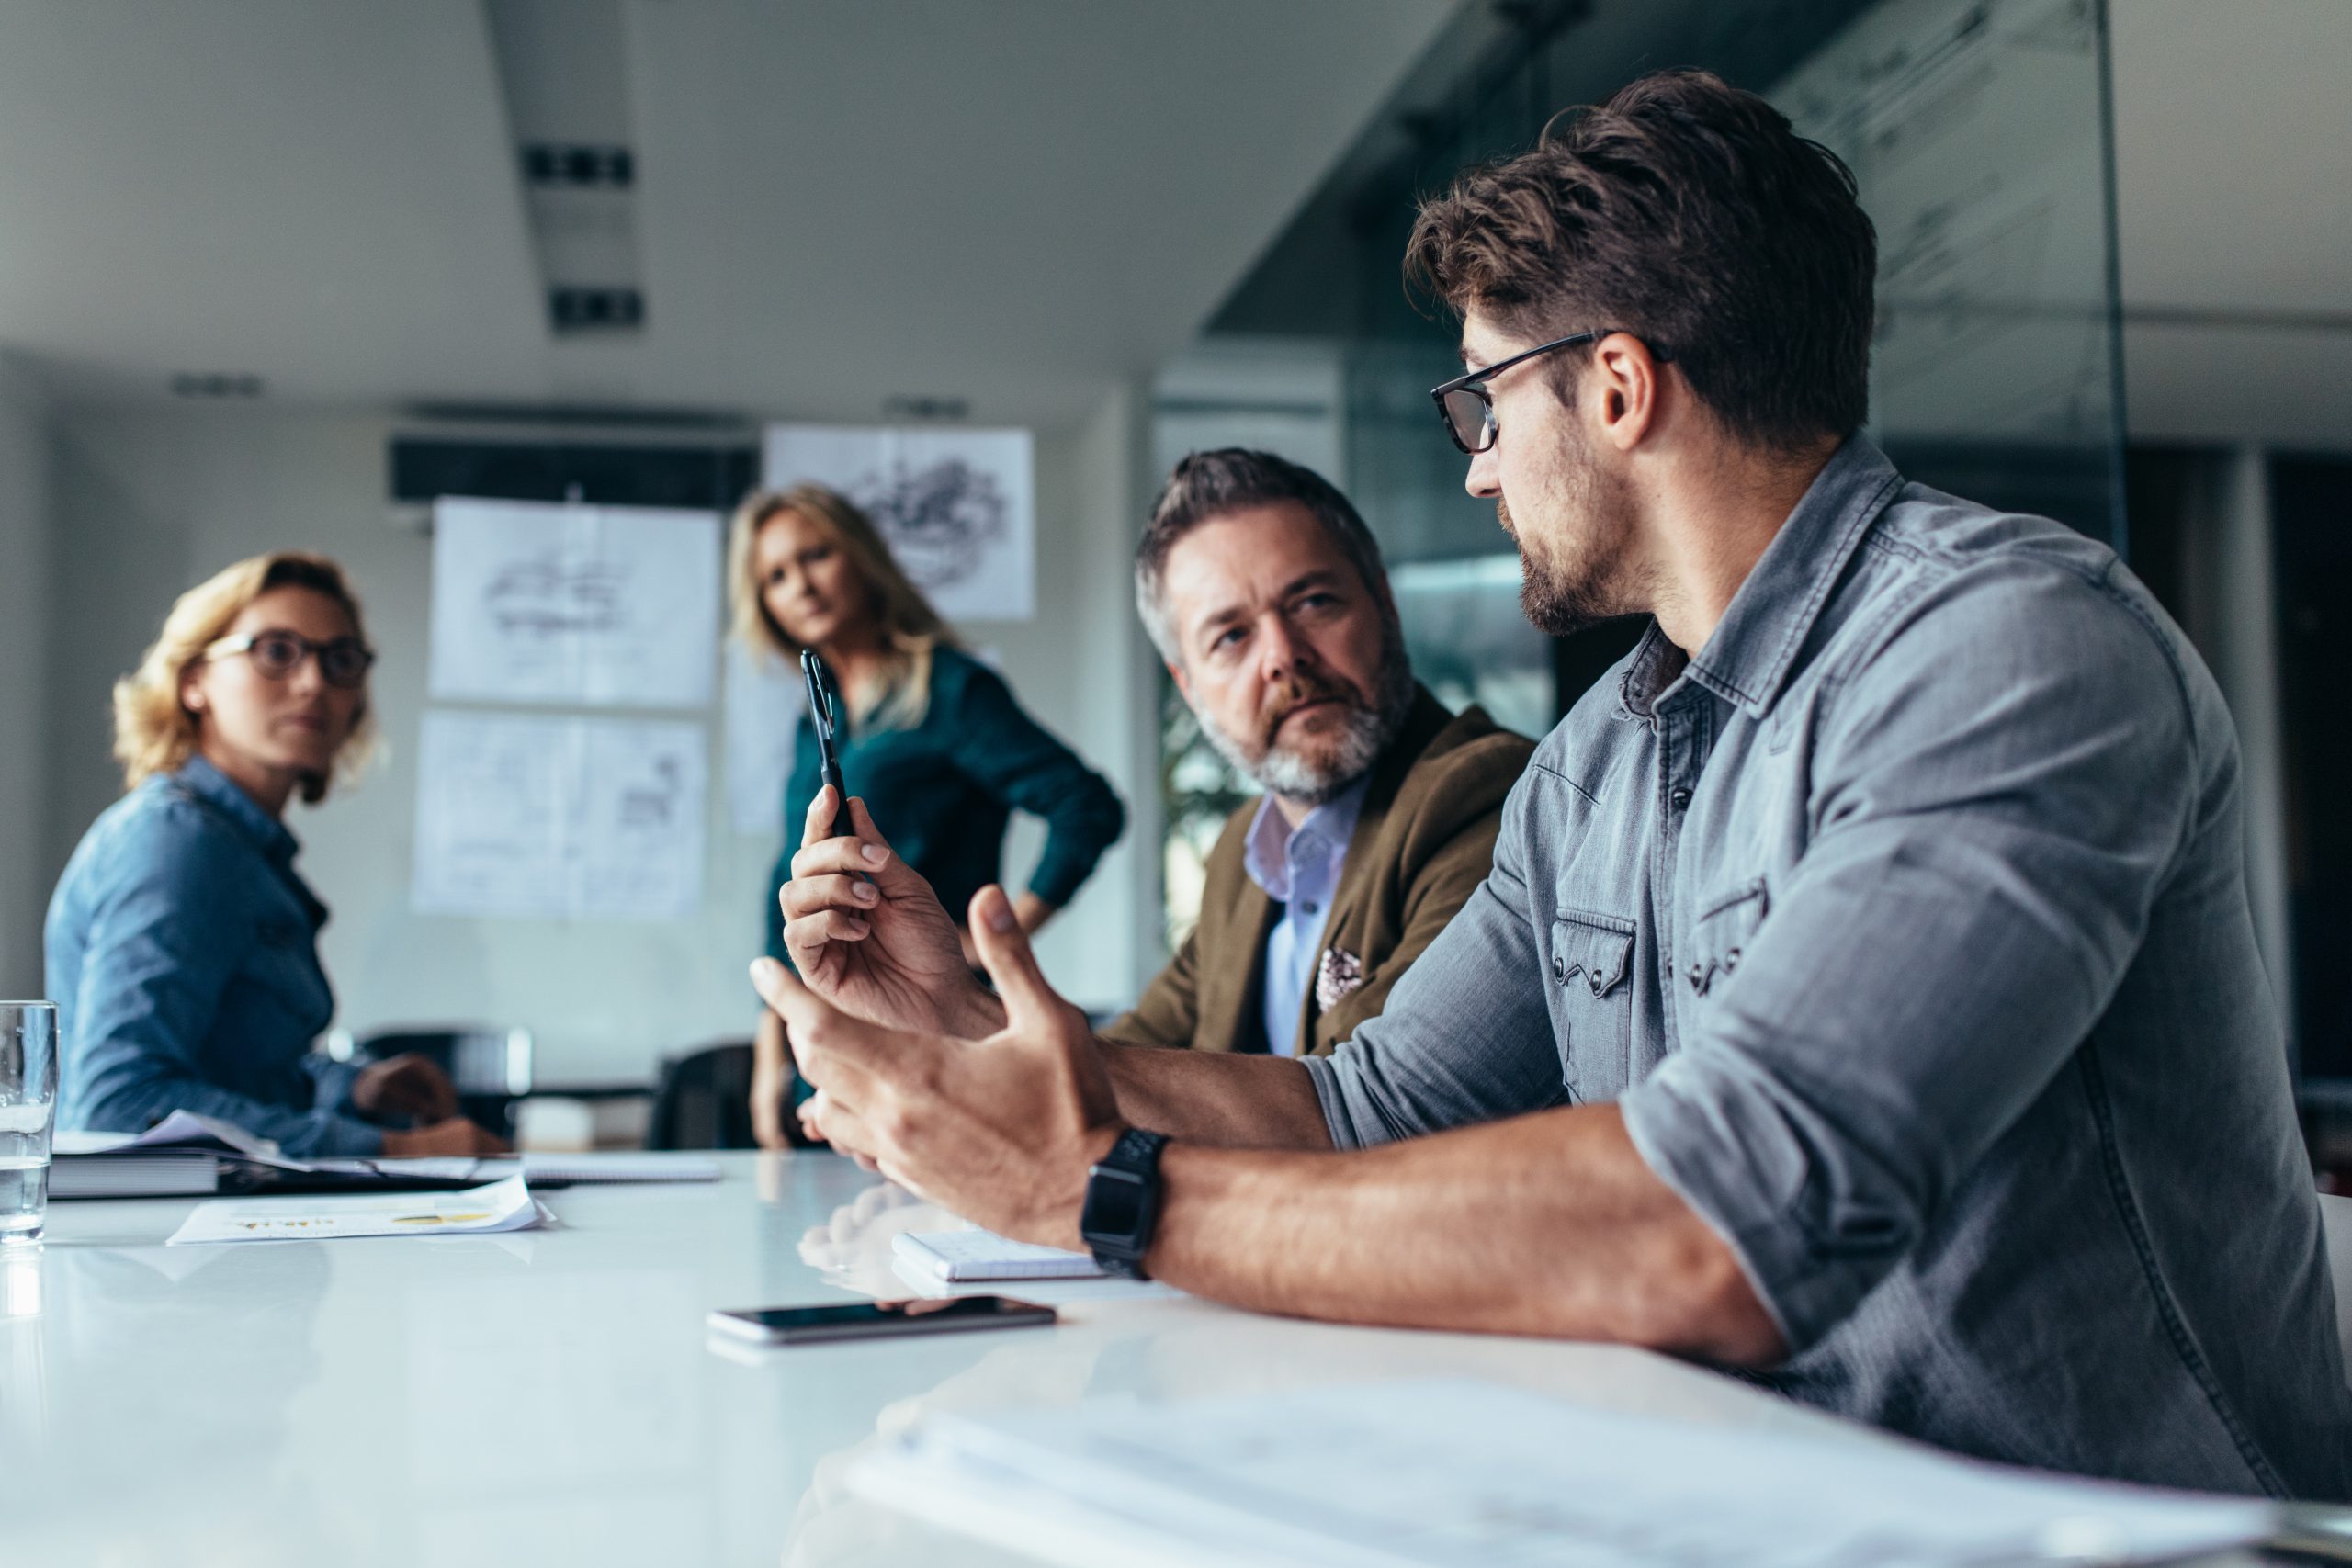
1864 992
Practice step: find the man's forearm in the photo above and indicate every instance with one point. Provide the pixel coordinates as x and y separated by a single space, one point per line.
1217 1097
1546 1224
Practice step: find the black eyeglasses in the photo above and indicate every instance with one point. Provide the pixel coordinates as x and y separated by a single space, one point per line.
1468 408
343 661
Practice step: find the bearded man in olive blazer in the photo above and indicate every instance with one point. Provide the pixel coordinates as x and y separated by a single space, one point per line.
1265 593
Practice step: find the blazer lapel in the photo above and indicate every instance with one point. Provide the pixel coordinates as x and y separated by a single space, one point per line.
1345 927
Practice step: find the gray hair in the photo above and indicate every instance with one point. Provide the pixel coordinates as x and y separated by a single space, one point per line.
1208 485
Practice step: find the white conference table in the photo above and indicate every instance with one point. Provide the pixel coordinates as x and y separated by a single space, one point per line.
553 1396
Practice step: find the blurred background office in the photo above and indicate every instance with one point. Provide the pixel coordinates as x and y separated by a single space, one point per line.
286 273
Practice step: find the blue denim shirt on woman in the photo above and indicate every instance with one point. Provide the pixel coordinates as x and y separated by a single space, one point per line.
183 958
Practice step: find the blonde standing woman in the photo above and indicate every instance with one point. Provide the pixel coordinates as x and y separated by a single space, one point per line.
935 749
182 946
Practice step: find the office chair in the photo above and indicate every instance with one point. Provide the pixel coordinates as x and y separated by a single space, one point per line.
2335 1224
491 1067
704 1099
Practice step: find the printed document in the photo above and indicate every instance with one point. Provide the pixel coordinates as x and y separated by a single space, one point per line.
1462 1474
475 1210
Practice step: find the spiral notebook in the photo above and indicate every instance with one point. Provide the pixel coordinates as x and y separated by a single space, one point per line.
956 1257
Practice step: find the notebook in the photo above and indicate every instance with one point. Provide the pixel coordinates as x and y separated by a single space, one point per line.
160 1173
955 1257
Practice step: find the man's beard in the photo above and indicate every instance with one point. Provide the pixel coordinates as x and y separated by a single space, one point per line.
1368 729
1559 600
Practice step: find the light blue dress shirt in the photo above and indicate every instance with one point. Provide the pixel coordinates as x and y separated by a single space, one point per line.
1299 869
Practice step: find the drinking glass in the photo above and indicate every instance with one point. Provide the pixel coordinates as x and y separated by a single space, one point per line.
28 1107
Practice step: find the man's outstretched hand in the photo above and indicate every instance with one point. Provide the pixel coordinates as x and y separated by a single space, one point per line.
868 934
1001 1129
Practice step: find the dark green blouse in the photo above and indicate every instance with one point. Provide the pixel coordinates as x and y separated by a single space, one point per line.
943 791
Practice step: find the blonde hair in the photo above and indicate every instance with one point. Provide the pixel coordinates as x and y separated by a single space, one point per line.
154 731
910 628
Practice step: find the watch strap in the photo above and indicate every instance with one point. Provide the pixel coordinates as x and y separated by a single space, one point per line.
1122 1207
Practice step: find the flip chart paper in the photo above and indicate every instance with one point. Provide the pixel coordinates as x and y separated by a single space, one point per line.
558 818
598 605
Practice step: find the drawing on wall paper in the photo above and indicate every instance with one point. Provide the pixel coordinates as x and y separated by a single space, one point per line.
605 606
526 816
1973 135
957 506
763 703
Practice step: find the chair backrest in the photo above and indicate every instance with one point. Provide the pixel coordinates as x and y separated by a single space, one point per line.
2335 1223
704 1099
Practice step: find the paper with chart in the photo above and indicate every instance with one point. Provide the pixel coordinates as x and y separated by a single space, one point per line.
559 818
601 606
764 705
496 1206
958 506
1463 1474
1973 134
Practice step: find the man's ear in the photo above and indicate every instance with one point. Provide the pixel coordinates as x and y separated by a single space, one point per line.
1626 381
1176 673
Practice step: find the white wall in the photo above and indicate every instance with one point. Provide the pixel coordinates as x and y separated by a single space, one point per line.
24 628
147 503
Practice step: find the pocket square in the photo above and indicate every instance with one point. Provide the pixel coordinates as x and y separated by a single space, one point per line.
1337 977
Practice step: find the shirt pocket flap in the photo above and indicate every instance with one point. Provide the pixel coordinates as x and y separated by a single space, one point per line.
1591 950
1719 936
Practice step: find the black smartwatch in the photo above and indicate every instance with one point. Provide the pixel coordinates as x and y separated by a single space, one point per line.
1123 1203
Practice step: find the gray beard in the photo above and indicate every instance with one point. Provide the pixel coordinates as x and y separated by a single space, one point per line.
1368 733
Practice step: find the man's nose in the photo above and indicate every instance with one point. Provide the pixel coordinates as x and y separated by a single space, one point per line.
1278 653
1484 482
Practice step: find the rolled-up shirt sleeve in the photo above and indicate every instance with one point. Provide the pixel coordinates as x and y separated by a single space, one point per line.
1465 1036
1998 794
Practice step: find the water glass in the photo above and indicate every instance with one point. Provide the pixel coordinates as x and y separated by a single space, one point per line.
28 1108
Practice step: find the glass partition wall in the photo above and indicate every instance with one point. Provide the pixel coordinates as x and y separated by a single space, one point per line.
1978 134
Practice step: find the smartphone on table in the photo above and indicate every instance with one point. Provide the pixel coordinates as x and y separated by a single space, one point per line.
878 1320
825 717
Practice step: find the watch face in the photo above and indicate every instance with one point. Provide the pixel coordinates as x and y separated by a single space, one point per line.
1114 1205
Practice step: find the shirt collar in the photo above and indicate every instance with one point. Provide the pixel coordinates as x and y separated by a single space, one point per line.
215 789
1265 855
1755 645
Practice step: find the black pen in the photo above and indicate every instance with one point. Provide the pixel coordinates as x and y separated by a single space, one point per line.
824 713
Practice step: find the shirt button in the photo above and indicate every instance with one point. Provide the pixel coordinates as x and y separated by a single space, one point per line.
1679 799
1559 967
1312 909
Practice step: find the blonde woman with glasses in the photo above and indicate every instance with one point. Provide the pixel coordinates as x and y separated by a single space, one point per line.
934 748
182 946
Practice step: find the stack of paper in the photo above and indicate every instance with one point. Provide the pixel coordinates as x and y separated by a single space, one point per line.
958 1256
499 1206
1456 1474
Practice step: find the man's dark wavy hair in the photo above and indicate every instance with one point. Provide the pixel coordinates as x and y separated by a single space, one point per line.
1691 215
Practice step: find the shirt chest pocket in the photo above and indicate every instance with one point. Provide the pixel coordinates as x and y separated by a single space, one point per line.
1719 937
1591 958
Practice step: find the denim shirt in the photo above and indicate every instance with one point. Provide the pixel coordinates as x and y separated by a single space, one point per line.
1298 868
183 957
1907 927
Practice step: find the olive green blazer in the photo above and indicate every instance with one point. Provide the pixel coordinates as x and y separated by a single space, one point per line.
1423 842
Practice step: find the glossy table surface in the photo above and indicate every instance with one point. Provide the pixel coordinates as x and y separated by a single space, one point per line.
553 1396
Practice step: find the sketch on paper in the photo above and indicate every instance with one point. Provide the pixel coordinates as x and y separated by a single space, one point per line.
763 703
536 815
957 506
605 606
1973 135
